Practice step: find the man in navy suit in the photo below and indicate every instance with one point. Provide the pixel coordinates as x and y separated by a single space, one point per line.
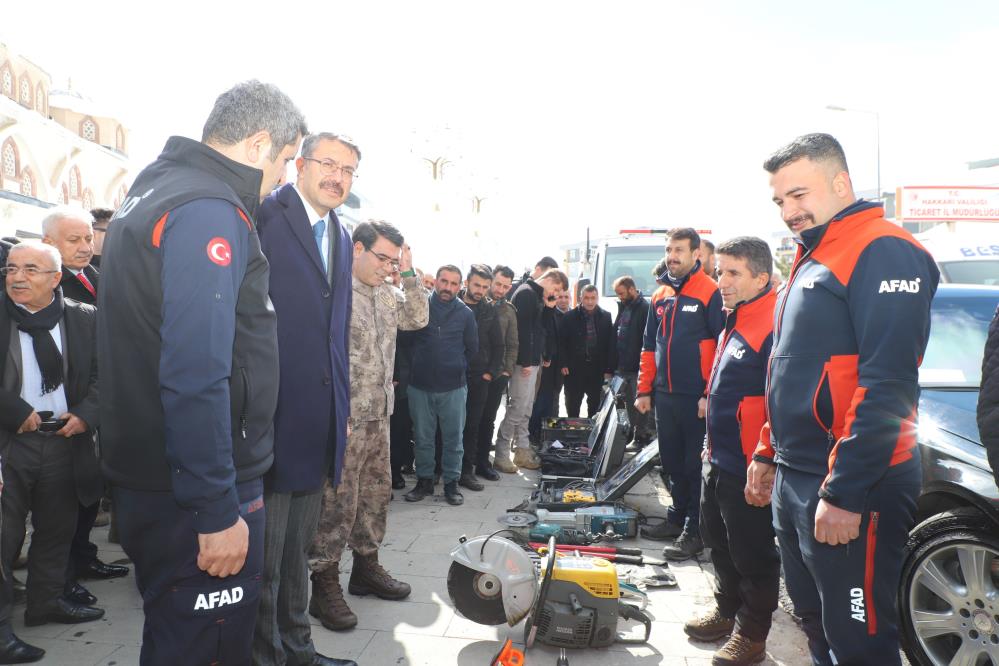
311 256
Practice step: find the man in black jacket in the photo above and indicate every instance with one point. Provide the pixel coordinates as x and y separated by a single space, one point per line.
534 301
438 386
187 338
486 365
48 376
629 327
988 397
588 352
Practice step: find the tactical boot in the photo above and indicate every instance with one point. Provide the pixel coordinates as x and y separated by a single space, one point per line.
740 651
468 480
685 547
662 531
526 458
369 577
327 603
452 494
422 488
709 627
503 464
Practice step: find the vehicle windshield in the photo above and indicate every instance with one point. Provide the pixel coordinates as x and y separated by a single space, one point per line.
958 328
971 272
637 262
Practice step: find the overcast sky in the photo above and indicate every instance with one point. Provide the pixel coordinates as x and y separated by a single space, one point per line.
562 114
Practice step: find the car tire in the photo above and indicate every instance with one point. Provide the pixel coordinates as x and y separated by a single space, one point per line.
940 613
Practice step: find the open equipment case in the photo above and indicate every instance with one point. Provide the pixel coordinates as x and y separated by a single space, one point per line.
602 452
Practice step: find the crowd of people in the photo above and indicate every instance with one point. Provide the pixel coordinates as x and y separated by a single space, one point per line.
248 381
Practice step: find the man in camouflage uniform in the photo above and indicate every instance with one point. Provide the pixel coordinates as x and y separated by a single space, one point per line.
354 512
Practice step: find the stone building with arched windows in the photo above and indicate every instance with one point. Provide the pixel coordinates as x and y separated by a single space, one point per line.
56 147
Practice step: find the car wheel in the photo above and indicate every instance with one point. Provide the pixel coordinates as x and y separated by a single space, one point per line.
949 591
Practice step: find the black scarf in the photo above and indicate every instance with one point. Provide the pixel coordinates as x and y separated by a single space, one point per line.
39 326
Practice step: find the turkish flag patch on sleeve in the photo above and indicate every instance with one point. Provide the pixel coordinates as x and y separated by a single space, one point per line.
219 251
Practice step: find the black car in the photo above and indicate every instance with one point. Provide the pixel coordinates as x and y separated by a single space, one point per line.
949 590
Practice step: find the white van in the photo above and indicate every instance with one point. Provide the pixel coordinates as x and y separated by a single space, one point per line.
634 254
964 258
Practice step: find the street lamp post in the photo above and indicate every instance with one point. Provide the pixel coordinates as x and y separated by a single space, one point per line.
877 136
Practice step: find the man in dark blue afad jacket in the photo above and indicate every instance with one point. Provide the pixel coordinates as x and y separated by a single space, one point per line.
681 332
437 385
839 452
187 342
740 536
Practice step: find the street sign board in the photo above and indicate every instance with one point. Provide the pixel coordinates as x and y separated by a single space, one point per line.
943 203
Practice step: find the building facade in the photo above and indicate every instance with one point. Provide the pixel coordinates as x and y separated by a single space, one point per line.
56 148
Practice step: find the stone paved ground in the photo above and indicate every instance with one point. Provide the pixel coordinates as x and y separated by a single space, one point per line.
425 629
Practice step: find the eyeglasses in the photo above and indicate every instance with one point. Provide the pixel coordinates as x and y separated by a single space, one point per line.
30 271
329 168
388 261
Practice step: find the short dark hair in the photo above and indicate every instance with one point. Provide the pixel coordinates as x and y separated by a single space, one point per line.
505 271
480 270
555 274
588 288
369 231
250 107
450 268
546 263
626 281
685 233
660 268
754 250
815 147
101 215
309 143
708 244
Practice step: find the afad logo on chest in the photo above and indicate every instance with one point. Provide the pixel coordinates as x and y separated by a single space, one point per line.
895 286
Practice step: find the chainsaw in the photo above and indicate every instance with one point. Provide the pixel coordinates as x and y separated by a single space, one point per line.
569 600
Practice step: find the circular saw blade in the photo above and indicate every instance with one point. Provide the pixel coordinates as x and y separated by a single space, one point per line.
476 595
517 519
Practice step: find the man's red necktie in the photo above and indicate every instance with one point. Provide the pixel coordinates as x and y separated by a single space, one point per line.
86 283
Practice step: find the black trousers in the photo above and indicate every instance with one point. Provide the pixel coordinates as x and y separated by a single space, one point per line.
546 400
497 389
191 617
743 552
475 405
846 595
585 380
83 552
400 435
38 477
681 439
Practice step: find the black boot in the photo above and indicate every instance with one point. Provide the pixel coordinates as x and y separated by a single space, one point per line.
422 488
452 494
468 480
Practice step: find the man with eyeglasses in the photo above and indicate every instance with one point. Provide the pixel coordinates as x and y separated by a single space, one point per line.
310 255
355 512
48 412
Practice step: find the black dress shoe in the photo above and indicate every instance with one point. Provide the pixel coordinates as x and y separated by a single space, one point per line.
98 570
398 483
78 594
64 612
15 651
487 473
322 660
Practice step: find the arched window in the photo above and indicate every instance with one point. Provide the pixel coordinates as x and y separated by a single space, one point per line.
40 100
119 139
89 130
24 95
63 197
74 182
27 183
88 199
7 80
11 163
120 199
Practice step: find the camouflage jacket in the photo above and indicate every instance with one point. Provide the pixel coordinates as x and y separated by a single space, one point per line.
507 316
378 313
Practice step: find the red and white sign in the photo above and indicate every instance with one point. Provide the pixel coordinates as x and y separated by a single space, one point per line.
219 251
938 202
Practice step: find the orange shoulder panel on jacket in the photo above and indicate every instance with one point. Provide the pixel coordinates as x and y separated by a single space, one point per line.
662 293
840 252
756 321
701 287
245 218
158 229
